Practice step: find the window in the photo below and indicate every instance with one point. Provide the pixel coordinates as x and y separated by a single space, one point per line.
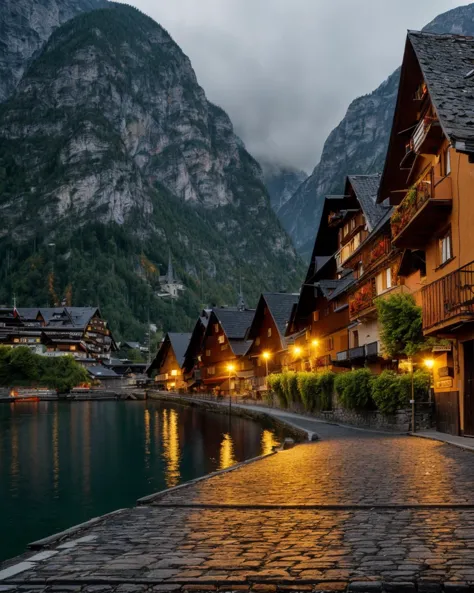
445 248
353 224
355 338
346 230
446 162
216 328
330 344
257 341
208 353
221 339
269 332
211 371
315 315
383 280
360 270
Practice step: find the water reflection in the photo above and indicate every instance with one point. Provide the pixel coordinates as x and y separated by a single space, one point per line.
226 453
63 463
268 442
171 447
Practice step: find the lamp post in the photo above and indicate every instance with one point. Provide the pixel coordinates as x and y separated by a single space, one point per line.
231 369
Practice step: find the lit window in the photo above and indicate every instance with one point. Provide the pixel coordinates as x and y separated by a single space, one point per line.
72 348
346 230
383 280
445 250
269 332
257 342
315 315
174 373
208 353
221 339
353 224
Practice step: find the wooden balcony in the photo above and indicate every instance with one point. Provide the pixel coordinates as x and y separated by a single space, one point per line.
422 211
449 301
362 301
427 136
358 355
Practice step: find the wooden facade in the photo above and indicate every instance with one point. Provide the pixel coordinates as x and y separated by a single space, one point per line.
428 177
167 369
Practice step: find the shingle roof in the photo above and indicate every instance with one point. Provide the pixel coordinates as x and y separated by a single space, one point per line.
343 284
67 316
280 306
445 61
179 343
240 347
327 287
234 322
366 188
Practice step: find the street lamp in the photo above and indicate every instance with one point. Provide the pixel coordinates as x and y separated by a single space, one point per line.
231 369
429 364
314 344
266 357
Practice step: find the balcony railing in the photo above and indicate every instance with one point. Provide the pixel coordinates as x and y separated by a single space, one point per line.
324 361
362 299
449 299
375 252
359 353
431 190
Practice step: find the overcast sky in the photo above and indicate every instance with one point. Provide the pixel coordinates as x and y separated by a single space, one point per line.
286 70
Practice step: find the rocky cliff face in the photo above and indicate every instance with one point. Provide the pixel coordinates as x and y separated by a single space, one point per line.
110 151
25 25
281 182
358 145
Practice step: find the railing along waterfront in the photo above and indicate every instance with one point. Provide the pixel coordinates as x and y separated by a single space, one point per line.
449 297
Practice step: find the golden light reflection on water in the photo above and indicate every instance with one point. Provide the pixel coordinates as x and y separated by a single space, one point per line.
226 453
268 442
55 442
147 437
171 451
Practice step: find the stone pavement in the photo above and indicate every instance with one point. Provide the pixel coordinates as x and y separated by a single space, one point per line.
356 511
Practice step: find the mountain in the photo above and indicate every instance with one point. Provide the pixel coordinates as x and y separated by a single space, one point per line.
281 182
358 145
112 159
25 25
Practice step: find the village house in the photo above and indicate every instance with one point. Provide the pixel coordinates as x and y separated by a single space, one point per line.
223 363
191 369
167 368
267 333
428 178
78 331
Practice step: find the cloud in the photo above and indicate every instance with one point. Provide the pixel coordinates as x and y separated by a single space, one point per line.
286 70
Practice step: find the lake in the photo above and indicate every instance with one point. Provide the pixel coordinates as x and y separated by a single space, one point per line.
62 463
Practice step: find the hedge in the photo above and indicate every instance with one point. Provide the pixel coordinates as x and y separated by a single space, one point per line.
356 390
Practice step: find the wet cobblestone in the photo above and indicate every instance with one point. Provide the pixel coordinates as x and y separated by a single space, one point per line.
174 545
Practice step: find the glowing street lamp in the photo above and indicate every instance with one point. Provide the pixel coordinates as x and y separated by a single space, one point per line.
314 344
429 364
266 357
297 351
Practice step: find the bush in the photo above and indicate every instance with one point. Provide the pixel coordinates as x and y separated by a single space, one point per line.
355 389
275 382
290 387
386 392
421 382
316 390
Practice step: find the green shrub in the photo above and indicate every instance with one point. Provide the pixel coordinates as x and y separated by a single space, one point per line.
275 383
386 392
290 382
316 390
355 389
421 383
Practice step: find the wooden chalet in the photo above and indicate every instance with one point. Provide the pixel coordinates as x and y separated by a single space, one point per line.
191 369
428 178
223 364
78 331
167 369
267 333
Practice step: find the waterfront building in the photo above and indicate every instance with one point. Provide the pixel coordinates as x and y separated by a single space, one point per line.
167 368
428 179
222 361
191 368
267 333
77 331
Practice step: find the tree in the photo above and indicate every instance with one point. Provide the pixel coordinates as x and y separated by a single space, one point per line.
401 323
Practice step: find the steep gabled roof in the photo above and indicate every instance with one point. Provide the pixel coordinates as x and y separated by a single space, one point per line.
234 322
366 189
179 343
445 62
280 306
343 285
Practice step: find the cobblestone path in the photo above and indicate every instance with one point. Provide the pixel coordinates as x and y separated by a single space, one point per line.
356 511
